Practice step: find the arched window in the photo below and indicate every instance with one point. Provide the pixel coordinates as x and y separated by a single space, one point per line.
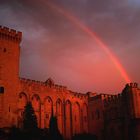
36 102
22 100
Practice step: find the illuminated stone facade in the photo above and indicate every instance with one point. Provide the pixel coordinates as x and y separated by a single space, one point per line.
76 113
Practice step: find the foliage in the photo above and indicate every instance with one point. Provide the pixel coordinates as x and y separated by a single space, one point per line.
29 119
30 130
53 129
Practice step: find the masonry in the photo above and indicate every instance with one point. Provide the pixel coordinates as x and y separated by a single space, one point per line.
99 114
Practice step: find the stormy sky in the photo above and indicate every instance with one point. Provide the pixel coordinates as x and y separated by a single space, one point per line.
53 46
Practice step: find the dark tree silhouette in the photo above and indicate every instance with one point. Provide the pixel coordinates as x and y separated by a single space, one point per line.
15 133
29 119
53 129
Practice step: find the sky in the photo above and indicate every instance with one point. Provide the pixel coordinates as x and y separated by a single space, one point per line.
53 46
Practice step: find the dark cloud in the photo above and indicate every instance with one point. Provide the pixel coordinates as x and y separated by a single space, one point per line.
53 46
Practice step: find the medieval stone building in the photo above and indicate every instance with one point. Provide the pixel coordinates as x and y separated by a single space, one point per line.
107 116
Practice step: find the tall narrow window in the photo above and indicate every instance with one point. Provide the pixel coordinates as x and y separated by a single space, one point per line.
1 90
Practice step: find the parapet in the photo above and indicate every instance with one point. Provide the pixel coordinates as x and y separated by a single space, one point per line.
112 99
133 85
47 83
10 34
29 81
78 95
130 86
60 88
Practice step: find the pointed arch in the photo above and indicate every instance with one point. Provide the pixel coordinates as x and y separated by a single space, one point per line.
68 119
48 108
36 103
22 101
76 118
59 115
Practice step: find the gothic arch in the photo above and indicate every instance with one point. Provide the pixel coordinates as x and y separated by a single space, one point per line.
59 115
68 119
76 118
48 108
22 101
36 103
84 118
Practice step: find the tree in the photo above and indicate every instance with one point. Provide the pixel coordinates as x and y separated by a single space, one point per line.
29 118
53 129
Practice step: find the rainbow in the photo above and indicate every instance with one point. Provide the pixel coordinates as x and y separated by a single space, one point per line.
101 44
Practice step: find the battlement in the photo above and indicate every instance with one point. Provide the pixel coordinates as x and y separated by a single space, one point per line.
45 84
130 86
29 81
10 34
95 96
78 95
133 85
112 99
50 84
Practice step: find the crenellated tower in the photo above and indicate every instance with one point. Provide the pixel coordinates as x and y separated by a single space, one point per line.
131 94
131 104
9 72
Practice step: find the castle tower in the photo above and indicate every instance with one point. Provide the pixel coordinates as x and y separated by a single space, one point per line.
9 73
135 124
131 95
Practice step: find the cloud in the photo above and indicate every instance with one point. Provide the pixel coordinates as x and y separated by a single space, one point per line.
54 46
